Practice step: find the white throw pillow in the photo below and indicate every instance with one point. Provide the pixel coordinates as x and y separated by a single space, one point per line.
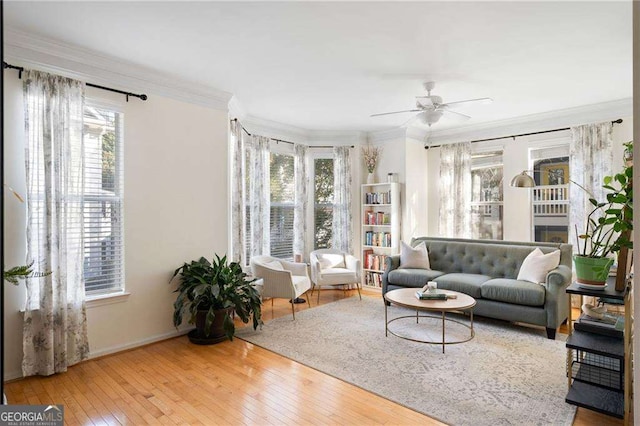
330 260
537 265
414 257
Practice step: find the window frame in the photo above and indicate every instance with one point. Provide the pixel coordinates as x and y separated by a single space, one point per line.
322 154
101 296
497 152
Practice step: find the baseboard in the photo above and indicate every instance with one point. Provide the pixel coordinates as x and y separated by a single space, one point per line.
131 345
14 375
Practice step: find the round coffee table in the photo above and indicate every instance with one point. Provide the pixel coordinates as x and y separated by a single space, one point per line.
406 297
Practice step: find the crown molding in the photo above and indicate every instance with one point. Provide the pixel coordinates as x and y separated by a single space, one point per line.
388 135
276 130
569 117
337 137
29 50
236 110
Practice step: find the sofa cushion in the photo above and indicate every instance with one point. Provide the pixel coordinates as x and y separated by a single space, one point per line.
514 291
414 257
464 283
412 277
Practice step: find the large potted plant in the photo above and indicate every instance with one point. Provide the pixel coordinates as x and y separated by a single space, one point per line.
210 292
607 230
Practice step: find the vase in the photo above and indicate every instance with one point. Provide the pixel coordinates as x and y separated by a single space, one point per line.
371 178
592 270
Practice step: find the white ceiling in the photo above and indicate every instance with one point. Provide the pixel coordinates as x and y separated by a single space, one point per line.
328 66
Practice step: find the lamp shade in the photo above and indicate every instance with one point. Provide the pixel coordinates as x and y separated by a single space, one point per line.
523 180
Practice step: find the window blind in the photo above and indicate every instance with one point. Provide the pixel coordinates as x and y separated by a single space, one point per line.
103 201
282 199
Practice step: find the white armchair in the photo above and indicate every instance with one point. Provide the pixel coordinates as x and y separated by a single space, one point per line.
330 267
281 278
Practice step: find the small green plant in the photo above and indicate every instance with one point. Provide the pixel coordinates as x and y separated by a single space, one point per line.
215 286
17 273
611 231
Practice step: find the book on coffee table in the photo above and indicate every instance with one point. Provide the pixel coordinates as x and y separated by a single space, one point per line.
434 295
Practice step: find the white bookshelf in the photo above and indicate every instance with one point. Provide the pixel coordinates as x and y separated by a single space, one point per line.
380 236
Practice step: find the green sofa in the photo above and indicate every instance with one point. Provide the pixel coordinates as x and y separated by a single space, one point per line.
487 271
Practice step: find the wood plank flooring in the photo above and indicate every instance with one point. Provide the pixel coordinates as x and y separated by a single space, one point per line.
176 382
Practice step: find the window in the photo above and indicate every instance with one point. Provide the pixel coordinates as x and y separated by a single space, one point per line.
486 195
551 196
322 202
103 201
282 190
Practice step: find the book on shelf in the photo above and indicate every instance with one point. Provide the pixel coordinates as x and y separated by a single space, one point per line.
611 325
373 279
378 239
376 218
366 258
377 197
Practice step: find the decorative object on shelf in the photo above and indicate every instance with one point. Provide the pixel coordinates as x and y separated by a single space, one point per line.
392 177
371 155
210 292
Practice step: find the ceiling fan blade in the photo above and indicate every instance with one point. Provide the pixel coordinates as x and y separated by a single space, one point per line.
467 102
460 115
425 101
394 112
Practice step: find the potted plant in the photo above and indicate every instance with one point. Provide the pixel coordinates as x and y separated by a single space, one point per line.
210 292
608 228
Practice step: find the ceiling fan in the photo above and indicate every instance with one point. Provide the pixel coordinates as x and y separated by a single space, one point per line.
431 108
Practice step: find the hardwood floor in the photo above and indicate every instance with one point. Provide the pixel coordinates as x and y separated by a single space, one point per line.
176 382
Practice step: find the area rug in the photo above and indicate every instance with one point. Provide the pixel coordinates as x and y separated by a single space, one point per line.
506 375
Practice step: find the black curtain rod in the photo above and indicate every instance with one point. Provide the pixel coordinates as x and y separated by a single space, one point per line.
618 121
283 141
122 92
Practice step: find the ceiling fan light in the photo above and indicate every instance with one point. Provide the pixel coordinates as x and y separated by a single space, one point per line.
429 117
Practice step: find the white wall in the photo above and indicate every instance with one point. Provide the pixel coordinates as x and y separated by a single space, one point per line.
416 184
176 192
517 222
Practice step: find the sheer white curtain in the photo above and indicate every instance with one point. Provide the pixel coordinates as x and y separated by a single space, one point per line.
590 160
258 147
55 326
455 190
238 191
301 174
342 233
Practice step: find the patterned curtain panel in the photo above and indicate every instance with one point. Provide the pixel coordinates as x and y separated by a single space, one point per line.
455 190
301 201
590 160
342 233
258 147
55 325
238 191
